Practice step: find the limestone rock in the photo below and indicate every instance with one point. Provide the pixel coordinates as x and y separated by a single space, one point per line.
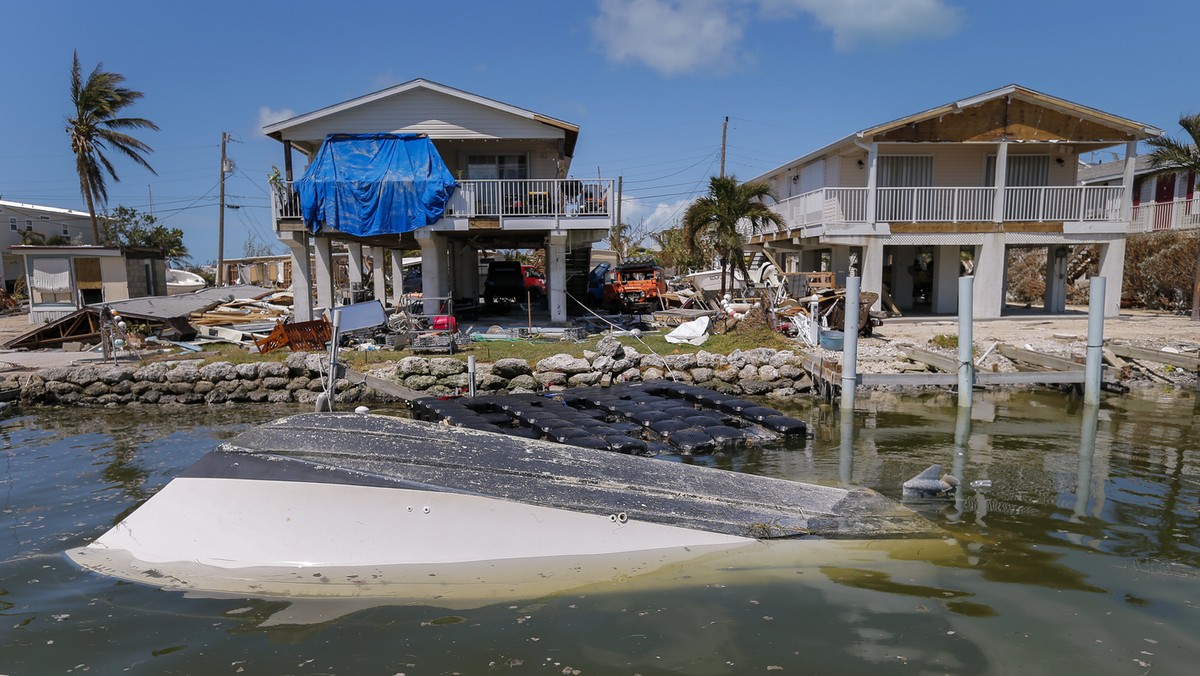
564 363
511 368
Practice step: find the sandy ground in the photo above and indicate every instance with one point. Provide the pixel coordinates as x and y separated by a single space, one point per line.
1060 335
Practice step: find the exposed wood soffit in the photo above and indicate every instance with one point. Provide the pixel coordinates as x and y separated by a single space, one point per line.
1002 99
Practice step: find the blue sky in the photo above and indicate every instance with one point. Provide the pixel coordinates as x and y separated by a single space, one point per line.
649 82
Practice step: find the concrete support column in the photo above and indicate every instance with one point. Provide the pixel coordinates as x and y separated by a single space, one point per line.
297 244
379 273
989 277
903 258
556 276
1055 297
354 265
435 273
946 266
397 257
872 270
1112 268
324 271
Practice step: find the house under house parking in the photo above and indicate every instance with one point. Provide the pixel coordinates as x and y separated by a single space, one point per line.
912 199
511 190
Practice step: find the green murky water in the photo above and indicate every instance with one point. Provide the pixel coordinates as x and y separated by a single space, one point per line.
1083 554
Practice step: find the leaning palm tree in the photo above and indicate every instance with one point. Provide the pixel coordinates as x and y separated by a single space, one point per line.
713 220
1166 155
97 126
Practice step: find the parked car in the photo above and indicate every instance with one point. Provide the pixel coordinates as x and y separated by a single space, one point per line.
511 280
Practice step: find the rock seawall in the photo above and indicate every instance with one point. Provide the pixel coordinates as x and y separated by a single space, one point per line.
758 372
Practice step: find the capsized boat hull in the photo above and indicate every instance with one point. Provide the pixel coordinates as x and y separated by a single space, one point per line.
315 493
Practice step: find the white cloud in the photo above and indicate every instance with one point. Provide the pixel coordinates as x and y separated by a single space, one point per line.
670 36
267 116
649 218
857 22
681 36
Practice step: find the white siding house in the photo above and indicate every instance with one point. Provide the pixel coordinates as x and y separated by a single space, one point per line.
514 191
21 223
909 199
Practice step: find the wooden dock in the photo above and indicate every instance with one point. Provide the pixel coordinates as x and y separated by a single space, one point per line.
1034 368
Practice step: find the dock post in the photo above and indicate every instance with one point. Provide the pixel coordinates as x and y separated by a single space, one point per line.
962 438
966 353
850 342
471 374
1087 450
846 439
1095 342
814 327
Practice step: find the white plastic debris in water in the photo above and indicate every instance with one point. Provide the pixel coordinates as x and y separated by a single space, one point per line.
362 409
981 483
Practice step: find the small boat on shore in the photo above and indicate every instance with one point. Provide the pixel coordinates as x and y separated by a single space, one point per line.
182 281
322 504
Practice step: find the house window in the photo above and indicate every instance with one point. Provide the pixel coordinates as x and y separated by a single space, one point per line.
44 218
905 171
1021 171
490 167
66 231
12 224
28 225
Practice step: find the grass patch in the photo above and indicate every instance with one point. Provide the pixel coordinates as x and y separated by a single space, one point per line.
532 351
945 341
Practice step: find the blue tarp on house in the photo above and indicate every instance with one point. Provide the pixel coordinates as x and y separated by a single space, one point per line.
375 184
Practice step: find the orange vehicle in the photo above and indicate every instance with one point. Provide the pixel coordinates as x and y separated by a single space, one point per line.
634 286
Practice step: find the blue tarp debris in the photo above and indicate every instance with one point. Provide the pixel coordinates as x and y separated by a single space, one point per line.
375 184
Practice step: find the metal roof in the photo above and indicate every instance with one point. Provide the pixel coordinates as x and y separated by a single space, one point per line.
182 305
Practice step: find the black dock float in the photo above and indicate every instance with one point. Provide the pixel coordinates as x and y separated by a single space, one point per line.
633 418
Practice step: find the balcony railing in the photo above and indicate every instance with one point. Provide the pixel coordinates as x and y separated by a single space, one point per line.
532 197
1155 216
952 205
497 198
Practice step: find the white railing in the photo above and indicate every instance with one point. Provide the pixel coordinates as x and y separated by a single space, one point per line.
1070 203
532 197
1155 216
496 198
915 205
952 205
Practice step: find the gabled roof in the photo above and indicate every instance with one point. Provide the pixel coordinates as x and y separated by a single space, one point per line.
1015 91
571 131
1094 120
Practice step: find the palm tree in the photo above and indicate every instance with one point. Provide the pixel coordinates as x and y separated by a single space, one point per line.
713 220
1167 154
96 126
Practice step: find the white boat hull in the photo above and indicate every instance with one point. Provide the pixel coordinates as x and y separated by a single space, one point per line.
291 524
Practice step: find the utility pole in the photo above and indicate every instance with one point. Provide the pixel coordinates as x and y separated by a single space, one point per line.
724 130
221 218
